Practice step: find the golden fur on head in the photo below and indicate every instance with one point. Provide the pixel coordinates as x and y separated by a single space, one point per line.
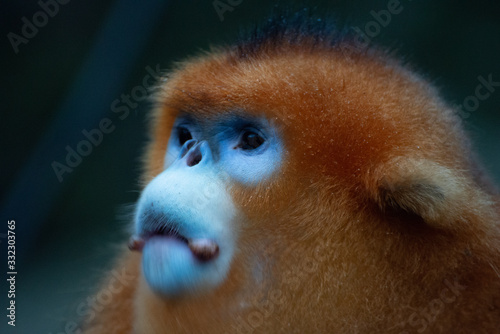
378 220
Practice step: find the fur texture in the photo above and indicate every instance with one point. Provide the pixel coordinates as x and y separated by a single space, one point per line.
379 221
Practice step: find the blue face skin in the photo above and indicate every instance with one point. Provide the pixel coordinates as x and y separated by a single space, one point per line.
189 202
247 149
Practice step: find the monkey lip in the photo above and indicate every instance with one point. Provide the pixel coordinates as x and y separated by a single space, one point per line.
203 249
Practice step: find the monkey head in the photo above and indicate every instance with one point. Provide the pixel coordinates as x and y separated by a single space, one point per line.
297 165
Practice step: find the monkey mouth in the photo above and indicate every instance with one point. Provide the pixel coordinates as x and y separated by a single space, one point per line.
203 249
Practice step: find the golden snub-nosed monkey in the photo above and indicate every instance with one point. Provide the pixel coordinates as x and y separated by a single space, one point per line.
297 183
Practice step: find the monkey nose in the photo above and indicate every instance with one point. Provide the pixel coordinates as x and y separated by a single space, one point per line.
194 156
193 152
191 148
186 147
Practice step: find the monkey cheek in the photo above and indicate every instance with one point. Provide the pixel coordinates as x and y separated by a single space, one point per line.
171 269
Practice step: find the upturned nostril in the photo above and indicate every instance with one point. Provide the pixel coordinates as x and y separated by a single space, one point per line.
186 147
190 144
194 156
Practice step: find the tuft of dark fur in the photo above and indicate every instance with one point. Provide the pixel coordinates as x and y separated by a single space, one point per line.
291 28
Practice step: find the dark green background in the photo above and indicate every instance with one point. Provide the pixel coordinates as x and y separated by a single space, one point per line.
63 250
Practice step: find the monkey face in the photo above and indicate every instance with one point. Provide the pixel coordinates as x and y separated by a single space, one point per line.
186 223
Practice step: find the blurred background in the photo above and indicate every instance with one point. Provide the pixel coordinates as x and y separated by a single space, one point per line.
77 72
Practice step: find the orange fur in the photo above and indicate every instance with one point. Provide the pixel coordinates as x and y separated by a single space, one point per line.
378 221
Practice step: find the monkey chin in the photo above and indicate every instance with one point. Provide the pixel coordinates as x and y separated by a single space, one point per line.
175 266
172 269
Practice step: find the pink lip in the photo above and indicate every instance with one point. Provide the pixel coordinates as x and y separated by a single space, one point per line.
136 243
203 249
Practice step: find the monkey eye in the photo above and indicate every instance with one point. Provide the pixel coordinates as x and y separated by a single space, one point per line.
183 134
250 140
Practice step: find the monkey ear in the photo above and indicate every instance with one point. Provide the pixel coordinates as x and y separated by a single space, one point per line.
421 187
